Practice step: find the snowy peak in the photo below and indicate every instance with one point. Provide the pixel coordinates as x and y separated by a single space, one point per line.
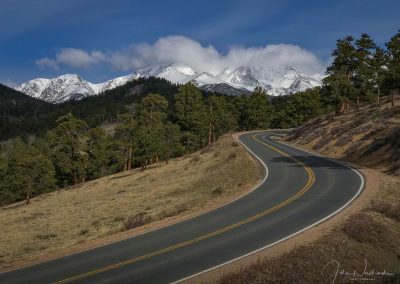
34 87
206 79
67 87
231 81
176 72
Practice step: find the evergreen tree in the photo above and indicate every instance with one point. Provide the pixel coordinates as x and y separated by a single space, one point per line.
191 116
379 69
221 120
258 109
98 148
151 121
393 78
124 136
171 141
68 145
29 173
339 82
363 78
301 107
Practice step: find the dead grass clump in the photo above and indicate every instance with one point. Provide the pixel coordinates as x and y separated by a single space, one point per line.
386 208
216 154
195 159
231 156
207 149
136 221
218 190
83 232
364 229
46 236
346 139
322 142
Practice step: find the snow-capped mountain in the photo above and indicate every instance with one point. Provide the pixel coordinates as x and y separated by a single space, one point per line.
231 81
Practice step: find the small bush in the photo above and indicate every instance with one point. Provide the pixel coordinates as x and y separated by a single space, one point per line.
364 229
95 222
207 149
387 209
136 221
83 232
195 159
231 156
118 218
346 139
46 236
218 190
216 154
234 144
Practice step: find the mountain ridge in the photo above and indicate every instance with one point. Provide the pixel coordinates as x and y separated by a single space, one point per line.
231 81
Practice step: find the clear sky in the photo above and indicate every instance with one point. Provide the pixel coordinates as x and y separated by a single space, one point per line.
101 39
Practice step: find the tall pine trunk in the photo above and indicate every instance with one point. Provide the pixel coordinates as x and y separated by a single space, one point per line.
392 97
378 98
209 133
75 177
129 165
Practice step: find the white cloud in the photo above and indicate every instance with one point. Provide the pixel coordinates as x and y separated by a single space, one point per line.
72 57
187 51
79 58
47 63
206 58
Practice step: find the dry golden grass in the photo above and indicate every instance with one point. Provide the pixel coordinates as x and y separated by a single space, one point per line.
368 136
100 207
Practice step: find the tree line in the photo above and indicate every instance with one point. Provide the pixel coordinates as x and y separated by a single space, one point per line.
147 132
362 71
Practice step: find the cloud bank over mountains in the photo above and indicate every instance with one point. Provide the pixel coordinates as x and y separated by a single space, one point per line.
191 53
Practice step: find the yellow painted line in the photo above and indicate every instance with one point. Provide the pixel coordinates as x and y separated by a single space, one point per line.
311 179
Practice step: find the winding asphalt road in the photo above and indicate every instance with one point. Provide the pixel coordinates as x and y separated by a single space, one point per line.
300 190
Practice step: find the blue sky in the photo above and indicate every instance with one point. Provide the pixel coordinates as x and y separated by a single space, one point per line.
94 38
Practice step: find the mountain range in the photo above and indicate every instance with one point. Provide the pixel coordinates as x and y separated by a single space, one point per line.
231 81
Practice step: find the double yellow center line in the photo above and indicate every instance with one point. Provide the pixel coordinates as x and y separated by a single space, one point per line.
311 179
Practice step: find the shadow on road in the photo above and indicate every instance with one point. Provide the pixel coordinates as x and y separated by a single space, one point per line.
311 161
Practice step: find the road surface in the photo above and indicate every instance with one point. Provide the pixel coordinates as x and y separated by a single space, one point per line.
299 190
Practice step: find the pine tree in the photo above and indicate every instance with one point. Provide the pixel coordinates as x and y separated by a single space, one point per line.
339 82
393 78
29 173
191 116
68 146
171 141
363 78
302 106
221 120
98 147
379 69
258 109
125 134
151 120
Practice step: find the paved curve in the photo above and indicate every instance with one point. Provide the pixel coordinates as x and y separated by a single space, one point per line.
301 189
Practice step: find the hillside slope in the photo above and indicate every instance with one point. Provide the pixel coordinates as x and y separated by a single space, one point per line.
120 202
369 136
